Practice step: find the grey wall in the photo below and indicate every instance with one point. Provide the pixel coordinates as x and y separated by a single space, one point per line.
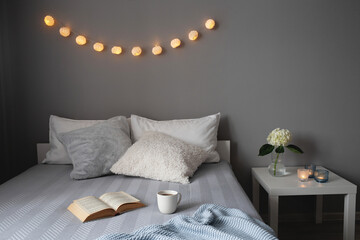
7 99
289 64
3 107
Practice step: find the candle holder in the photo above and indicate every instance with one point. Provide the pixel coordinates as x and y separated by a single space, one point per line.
303 174
311 168
321 175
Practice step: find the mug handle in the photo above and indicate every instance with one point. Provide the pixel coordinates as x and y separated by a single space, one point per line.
178 199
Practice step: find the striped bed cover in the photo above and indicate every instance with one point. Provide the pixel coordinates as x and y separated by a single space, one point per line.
33 204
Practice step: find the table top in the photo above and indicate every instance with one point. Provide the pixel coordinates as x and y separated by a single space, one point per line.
290 185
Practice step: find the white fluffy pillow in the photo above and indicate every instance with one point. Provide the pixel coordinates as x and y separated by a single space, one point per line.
201 132
161 157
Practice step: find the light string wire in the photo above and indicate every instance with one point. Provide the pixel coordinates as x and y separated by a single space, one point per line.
89 40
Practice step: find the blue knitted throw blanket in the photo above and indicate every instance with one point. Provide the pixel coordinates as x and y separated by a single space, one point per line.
208 222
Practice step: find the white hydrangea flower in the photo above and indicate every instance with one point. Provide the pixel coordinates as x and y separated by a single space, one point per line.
279 137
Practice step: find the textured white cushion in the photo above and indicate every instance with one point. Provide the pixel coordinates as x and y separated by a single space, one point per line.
201 132
161 157
57 153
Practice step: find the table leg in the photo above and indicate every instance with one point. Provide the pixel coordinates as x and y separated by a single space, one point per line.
319 208
349 216
273 212
255 193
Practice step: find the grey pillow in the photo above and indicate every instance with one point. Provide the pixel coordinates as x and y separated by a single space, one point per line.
93 150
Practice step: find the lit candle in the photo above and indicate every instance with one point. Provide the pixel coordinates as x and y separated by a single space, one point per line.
303 174
321 175
311 168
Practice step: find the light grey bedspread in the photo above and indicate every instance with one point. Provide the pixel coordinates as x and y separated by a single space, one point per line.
33 204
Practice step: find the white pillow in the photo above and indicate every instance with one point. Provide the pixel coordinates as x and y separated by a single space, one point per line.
201 132
161 157
57 153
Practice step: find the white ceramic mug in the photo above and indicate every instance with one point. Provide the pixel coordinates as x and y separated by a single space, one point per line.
168 200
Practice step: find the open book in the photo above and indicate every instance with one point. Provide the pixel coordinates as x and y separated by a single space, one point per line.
108 204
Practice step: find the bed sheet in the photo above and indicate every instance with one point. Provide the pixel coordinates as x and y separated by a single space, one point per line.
33 204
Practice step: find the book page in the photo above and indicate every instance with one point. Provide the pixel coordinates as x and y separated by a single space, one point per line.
116 199
91 204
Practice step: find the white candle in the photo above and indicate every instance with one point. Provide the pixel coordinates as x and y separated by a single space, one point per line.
303 174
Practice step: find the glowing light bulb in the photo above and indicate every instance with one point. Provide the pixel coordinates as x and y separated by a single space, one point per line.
175 43
49 20
65 31
116 50
210 24
136 51
157 50
98 46
193 35
80 40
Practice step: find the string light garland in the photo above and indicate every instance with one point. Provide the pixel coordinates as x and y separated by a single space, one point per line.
117 50
80 40
210 24
136 51
193 35
98 46
157 50
175 43
65 31
49 20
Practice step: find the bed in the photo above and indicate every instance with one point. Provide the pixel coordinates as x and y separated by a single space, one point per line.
33 204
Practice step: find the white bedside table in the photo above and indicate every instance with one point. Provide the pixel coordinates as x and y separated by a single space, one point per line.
289 185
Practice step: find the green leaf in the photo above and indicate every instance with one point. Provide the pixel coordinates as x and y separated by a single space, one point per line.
280 149
294 148
265 149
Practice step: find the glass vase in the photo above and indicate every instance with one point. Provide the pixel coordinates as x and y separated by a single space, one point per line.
277 167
